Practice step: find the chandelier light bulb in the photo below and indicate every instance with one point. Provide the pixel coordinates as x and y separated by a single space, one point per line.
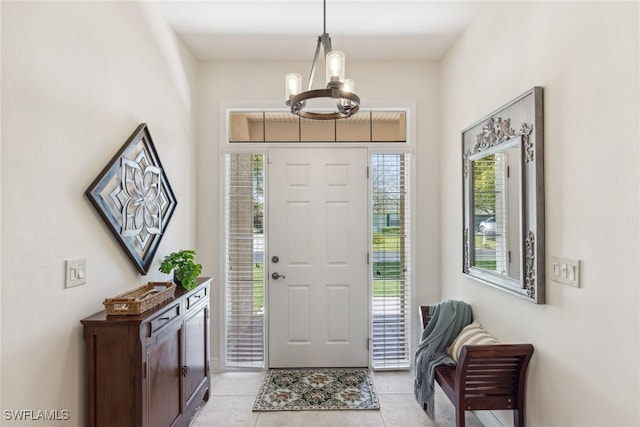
293 85
349 86
335 67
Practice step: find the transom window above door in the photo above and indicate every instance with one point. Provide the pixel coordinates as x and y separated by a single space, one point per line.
282 126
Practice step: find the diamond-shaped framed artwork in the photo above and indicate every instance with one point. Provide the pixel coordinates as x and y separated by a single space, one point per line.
133 196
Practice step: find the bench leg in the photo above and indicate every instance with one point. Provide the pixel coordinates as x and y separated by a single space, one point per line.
460 416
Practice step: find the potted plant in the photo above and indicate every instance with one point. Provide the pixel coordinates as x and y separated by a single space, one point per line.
185 269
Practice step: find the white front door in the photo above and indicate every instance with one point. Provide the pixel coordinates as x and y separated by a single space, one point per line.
318 308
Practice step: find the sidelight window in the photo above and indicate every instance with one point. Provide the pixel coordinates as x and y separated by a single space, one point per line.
244 266
390 260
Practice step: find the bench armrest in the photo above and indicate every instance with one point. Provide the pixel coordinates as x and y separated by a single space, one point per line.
492 373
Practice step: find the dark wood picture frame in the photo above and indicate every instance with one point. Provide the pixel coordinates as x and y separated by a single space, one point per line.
133 196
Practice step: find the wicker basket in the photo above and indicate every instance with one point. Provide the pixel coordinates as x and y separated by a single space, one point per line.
140 299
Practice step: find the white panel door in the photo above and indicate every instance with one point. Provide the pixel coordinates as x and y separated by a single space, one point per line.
318 311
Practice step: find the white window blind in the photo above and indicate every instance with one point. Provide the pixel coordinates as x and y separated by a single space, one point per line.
390 260
490 175
244 267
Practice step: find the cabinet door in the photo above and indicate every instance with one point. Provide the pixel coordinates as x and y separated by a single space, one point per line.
114 375
164 370
196 332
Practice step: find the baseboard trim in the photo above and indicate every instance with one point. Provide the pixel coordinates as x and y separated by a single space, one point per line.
214 364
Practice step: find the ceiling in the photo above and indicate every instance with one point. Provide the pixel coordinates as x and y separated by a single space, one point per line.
288 29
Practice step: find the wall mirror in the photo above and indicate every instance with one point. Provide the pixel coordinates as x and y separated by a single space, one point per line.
503 198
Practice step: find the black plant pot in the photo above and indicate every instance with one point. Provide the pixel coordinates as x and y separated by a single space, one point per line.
175 279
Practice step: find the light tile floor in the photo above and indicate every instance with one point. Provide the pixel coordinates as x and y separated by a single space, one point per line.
233 393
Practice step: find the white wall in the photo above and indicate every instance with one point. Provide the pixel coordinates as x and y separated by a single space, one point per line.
585 367
77 79
262 84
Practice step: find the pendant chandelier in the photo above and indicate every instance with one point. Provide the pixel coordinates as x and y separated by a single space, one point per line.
338 88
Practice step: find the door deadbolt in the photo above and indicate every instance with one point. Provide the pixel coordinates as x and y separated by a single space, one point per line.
275 259
276 276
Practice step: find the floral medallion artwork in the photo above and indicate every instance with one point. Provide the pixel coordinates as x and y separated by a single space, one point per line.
316 389
133 196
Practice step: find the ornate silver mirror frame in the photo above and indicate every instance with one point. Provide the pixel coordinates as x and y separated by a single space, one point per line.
503 198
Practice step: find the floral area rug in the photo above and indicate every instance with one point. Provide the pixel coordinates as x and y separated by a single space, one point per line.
316 389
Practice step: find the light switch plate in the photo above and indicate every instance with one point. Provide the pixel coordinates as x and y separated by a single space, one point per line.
75 272
565 271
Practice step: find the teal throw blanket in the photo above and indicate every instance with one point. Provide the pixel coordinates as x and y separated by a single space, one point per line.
448 319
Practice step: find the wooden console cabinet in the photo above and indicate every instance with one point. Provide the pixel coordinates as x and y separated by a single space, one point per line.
152 369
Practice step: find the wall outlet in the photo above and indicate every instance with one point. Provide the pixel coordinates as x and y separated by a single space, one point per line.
565 271
76 272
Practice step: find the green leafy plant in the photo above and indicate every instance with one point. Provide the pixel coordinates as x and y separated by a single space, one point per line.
185 269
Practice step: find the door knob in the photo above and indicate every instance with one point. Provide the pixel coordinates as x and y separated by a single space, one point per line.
276 276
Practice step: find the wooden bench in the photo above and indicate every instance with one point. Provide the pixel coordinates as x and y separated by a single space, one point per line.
487 377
